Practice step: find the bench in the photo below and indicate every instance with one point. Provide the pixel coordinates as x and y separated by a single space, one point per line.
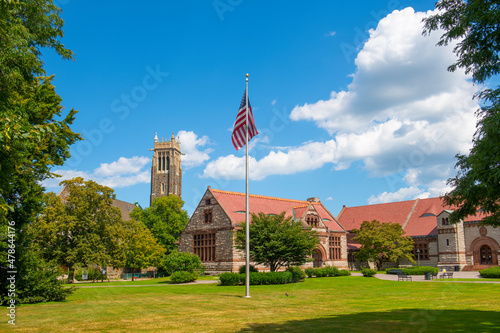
446 276
404 277
434 276
395 271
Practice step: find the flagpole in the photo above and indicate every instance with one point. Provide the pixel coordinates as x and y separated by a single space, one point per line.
247 223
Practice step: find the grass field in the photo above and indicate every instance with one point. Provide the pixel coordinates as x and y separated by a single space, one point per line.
340 304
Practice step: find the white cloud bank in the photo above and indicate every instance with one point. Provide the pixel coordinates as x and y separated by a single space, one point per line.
190 146
124 172
403 115
127 172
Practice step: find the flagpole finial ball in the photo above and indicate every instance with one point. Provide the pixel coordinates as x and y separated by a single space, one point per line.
246 74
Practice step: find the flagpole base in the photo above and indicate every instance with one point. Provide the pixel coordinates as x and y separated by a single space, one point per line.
247 296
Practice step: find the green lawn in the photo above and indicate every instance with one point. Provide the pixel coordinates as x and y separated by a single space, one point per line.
340 304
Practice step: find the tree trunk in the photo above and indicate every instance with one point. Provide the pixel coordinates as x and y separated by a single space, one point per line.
71 277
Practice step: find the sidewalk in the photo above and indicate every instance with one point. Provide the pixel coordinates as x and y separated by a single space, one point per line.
421 278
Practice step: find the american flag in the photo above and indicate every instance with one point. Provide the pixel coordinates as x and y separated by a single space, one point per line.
238 136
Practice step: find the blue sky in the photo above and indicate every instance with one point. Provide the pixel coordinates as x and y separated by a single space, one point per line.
352 103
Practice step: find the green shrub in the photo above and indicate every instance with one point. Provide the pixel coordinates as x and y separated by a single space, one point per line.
255 278
253 269
309 272
320 272
181 262
231 279
367 272
297 273
183 277
331 271
420 270
344 272
490 273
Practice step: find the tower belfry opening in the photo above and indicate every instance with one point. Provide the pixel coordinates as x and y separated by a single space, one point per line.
166 171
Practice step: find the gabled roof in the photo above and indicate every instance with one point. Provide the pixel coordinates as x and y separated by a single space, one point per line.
233 203
396 212
125 207
417 217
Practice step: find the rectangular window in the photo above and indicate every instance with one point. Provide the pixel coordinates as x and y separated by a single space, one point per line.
204 246
421 251
335 249
447 242
208 216
207 202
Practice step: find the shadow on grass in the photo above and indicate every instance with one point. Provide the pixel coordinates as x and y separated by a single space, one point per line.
404 320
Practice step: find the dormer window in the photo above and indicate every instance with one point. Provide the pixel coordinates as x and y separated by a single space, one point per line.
444 221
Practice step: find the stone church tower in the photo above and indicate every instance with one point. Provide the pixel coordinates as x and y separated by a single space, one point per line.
166 172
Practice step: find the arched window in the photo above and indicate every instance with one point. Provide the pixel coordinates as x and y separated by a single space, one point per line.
168 164
159 163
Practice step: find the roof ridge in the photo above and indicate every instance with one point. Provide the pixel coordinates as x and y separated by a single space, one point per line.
410 213
259 196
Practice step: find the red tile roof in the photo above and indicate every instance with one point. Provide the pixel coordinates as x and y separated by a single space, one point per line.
396 212
417 217
233 204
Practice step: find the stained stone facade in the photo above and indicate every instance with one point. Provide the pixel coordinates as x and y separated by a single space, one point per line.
166 170
211 230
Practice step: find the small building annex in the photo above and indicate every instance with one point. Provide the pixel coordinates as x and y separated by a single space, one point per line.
467 245
210 231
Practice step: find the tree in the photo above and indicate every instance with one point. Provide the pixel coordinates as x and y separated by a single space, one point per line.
142 248
34 133
82 229
382 242
177 261
165 218
474 25
276 241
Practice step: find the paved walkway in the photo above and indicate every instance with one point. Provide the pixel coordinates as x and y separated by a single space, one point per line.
389 277
456 275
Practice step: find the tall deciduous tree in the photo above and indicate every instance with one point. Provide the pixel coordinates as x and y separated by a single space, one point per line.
82 228
165 218
142 249
34 133
381 242
474 24
276 241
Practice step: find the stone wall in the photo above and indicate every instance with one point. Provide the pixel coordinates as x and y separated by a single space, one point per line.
220 225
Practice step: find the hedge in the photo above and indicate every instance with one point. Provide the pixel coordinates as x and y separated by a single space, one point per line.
420 270
297 273
490 273
183 277
367 272
233 279
325 271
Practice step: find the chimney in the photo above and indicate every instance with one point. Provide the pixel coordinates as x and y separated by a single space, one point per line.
313 199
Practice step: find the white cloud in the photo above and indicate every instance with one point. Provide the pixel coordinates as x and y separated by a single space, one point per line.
122 167
407 193
330 34
310 156
124 172
404 116
190 146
